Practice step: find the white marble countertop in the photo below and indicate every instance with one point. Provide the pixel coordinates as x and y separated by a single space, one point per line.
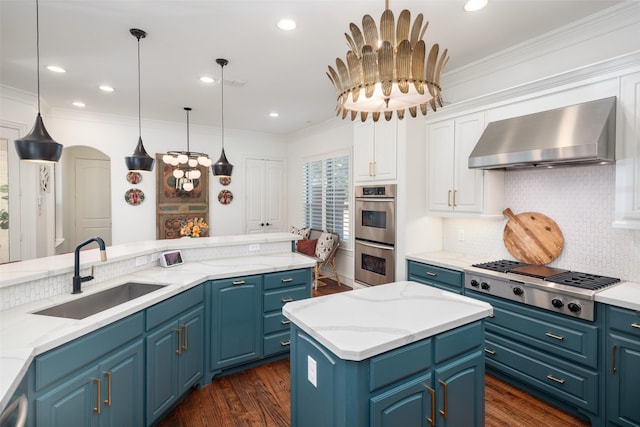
366 322
451 260
625 295
24 335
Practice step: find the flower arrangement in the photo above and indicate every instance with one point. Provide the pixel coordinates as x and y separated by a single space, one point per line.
195 227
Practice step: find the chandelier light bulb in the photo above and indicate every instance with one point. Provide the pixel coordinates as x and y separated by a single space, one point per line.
167 158
193 162
174 161
187 186
202 160
178 173
183 158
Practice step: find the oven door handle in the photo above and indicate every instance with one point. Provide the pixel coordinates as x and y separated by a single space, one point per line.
375 199
374 245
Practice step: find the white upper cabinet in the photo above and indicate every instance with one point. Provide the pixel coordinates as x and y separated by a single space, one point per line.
453 189
266 197
375 151
627 211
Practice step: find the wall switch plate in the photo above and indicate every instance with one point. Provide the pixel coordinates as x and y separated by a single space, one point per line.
141 260
254 247
312 371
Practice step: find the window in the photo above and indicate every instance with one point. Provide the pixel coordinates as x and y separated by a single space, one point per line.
326 194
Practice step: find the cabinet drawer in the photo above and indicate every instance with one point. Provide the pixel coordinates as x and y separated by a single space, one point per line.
562 380
397 364
287 278
624 320
165 310
458 341
549 333
275 322
274 300
438 274
60 362
276 343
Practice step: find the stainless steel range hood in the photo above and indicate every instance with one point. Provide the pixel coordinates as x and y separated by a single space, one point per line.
574 135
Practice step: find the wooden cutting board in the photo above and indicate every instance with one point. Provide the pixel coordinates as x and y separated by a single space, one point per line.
532 237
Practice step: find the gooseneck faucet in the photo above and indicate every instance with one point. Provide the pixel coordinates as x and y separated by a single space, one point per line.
77 280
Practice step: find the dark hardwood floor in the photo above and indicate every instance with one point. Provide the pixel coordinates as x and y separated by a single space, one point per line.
260 397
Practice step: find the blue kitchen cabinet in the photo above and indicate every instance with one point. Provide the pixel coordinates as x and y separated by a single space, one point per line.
555 357
96 380
623 367
435 381
279 289
439 277
175 350
235 321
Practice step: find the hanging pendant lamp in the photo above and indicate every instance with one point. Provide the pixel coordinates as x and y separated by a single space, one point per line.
139 160
222 167
37 145
186 163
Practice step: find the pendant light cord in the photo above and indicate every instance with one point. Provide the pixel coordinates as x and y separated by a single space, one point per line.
139 97
222 104
38 51
188 149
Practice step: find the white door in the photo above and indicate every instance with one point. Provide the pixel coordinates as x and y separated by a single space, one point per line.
92 200
265 196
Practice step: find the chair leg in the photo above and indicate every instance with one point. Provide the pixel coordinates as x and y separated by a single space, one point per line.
335 271
315 275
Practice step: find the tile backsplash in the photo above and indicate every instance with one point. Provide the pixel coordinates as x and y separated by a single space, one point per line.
580 200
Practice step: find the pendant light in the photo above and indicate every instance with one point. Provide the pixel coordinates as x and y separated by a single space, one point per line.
222 167
38 145
139 160
186 162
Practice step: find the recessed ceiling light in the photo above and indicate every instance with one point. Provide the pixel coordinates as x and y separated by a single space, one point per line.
78 104
106 88
274 114
286 24
206 79
56 69
473 5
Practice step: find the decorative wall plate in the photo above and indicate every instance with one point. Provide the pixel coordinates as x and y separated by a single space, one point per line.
225 197
225 180
134 177
134 196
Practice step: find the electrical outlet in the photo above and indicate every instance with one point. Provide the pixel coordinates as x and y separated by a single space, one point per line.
461 235
254 247
312 371
141 260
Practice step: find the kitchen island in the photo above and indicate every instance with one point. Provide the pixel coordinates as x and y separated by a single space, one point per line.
393 354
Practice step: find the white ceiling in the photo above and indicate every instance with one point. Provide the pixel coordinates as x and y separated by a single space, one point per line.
271 70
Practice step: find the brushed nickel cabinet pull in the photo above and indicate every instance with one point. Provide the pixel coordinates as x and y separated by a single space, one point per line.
558 380
635 325
287 299
429 273
444 410
454 198
108 401
449 198
285 322
185 346
491 352
179 349
287 280
557 337
239 282
96 381
285 343
613 359
432 420
370 169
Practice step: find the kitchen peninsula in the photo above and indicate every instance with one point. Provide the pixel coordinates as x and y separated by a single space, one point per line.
393 354
33 356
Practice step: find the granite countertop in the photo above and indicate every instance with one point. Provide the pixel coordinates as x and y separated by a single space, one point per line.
451 260
366 322
625 295
24 335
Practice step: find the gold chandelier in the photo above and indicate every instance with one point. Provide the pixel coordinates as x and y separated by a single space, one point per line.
388 71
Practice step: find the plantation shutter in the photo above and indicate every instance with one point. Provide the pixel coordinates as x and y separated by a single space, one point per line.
312 197
337 196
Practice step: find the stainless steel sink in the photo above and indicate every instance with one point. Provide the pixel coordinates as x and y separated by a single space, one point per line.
92 304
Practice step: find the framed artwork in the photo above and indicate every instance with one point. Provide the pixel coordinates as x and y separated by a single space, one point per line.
174 206
225 180
225 197
134 177
134 196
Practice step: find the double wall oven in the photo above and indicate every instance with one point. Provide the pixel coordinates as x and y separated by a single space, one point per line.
375 234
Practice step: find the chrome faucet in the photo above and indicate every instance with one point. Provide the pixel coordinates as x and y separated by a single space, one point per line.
77 280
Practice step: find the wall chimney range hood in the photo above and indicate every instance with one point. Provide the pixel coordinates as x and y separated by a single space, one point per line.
575 135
